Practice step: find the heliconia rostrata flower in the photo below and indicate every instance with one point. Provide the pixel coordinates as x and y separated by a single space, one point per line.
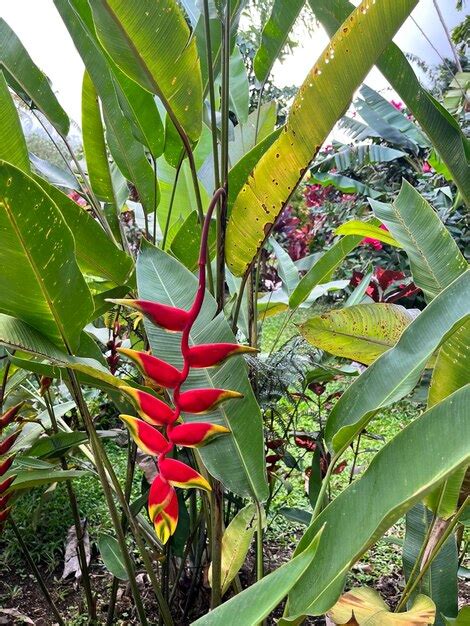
154 413
6 461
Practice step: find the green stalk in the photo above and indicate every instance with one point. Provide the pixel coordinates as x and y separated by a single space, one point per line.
86 581
100 466
170 207
35 571
104 463
259 542
408 592
154 163
216 543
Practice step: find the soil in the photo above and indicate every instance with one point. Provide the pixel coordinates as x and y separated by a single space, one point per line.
20 591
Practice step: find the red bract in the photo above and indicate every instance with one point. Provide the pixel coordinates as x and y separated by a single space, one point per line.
210 354
159 371
7 443
306 442
204 400
6 464
167 317
150 408
193 435
163 500
9 416
6 483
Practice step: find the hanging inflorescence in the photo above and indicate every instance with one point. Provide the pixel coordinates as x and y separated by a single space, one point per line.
6 460
160 429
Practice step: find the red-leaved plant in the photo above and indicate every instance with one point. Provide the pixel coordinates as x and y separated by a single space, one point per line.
6 460
156 414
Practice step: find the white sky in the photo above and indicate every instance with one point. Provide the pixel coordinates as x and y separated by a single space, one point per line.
41 30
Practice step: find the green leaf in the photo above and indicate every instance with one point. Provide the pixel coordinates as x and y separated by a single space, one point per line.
288 272
94 145
236 542
237 458
239 87
40 281
373 503
348 157
26 78
366 229
325 94
12 141
96 254
111 554
185 244
344 184
451 372
296 515
18 335
30 479
395 373
128 153
151 43
440 581
360 333
385 131
323 268
443 131
55 446
462 619
257 127
435 258
255 603
274 35
52 173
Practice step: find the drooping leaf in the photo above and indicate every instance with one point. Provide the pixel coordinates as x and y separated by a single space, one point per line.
54 174
128 152
236 458
96 254
360 517
294 514
12 142
349 157
346 184
236 542
364 607
386 131
435 258
442 129
361 333
40 281
29 479
239 87
324 96
288 273
323 268
55 446
366 229
151 43
396 372
274 35
27 79
440 581
111 554
94 144
255 603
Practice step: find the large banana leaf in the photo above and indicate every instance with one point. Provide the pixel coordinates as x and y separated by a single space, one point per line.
40 281
151 43
254 604
349 157
320 102
395 373
401 474
451 371
96 254
361 332
346 184
94 144
441 128
237 459
274 35
127 151
27 80
440 581
435 258
12 142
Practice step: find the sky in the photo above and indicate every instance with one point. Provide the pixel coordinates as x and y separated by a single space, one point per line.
41 30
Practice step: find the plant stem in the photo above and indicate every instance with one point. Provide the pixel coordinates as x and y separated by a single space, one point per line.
170 206
259 542
35 571
449 38
407 592
86 581
100 466
104 465
155 191
216 543
239 301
